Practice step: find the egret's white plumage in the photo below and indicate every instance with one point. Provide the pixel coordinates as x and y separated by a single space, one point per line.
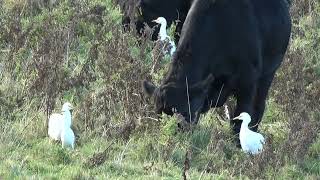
55 126
163 36
58 121
67 138
67 114
251 142
67 135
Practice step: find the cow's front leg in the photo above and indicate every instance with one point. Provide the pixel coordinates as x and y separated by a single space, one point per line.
244 96
260 101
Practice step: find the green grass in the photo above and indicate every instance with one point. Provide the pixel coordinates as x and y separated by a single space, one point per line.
42 158
146 155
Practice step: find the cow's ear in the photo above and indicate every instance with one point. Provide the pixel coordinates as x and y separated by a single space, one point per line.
148 88
202 86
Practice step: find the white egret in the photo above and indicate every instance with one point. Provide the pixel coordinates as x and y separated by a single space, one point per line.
251 142
163 36
58 121
67 114
67 135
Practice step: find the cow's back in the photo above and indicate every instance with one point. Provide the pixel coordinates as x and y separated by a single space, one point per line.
230 40
275 27
220 30
234 31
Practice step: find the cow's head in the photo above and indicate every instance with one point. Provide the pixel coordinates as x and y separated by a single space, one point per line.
178 98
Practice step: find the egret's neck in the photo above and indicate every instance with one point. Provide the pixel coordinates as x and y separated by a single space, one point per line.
244 125
67 118
163 31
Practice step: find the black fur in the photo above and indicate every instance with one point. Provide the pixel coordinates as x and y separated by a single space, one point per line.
147 10
241 43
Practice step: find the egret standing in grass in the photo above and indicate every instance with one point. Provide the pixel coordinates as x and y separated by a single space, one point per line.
67 135
60 126
251 142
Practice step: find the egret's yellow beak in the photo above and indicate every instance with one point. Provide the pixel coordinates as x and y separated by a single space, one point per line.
155 21
237 118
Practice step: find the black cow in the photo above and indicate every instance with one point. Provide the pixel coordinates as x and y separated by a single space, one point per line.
227 47
149 10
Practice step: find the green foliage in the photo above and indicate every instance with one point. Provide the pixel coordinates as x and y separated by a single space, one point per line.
275 122
169 129
307 39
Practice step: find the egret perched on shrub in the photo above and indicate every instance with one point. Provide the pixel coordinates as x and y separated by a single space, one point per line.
168 44
163 36
164 45
60 126
251 142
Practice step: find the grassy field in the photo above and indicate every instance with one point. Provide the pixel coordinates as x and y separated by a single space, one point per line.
57 51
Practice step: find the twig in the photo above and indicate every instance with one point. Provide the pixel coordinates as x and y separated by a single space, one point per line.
151 118
189 108
217 103
109 146
186 166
